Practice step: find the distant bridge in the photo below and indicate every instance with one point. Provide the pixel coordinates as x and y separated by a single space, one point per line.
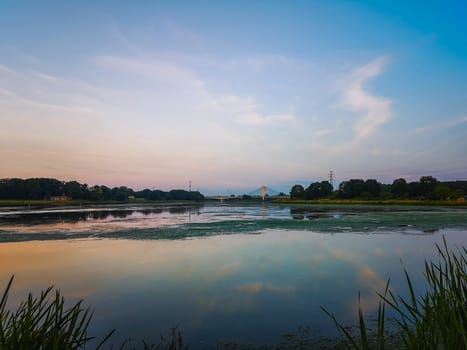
262 192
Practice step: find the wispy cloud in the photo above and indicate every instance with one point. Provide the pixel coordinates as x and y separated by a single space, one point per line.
47 107
376 110
323 132
258 119
5 69
151 68
257 62
44 76
241 109
442 125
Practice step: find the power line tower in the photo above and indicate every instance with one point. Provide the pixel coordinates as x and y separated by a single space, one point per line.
331 178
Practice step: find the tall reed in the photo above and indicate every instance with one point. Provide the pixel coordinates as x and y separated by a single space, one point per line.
44 322
435 320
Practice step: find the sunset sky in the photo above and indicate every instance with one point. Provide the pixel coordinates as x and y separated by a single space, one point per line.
232 94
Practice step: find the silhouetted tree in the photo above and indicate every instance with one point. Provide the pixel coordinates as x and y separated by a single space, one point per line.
297 192
373 187
400 188
427 186
318 190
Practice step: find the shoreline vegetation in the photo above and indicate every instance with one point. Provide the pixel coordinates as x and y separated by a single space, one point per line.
45 190
44 203
427 202
48 191
436 319
427 190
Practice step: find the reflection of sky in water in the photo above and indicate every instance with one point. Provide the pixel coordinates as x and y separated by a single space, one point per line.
175 222
237 287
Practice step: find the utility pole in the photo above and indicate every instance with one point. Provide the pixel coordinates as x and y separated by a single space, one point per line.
189 186
331 178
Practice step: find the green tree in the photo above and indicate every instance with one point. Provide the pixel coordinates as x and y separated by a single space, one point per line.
442 192
400 188
318 190
373 187
297 192
352 188
427 186
72 189
312 191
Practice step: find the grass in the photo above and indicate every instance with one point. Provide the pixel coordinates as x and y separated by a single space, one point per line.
173 341
434 320
40 202
43 322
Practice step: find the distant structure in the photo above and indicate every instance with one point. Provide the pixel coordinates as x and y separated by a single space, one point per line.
264 192
331 178
59 198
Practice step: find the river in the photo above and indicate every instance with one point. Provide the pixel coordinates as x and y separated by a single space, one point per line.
230 273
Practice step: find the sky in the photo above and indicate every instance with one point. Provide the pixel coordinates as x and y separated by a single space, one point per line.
232 95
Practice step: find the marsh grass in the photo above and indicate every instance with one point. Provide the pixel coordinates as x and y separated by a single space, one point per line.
435 320
44 322
171 341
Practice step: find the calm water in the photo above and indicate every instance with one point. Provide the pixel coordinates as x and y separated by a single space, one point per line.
229 273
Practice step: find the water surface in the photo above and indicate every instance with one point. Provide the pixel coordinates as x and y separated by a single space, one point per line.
233 273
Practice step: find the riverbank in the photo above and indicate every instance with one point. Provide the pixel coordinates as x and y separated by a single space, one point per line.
45 203
458 202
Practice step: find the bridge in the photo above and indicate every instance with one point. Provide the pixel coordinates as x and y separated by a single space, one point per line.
262 192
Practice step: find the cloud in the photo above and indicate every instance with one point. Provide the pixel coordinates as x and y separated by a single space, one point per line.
5 69
44 76
376 110
243 110
442 125
323 132
258 119
48 107
79 124
257 62
161 70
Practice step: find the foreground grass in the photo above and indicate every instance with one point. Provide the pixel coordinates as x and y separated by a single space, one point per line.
434 320
43 322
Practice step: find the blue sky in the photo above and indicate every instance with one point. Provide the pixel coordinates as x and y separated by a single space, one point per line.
232 94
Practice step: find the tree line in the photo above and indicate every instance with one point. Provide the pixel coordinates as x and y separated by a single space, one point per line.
46 188
428 187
